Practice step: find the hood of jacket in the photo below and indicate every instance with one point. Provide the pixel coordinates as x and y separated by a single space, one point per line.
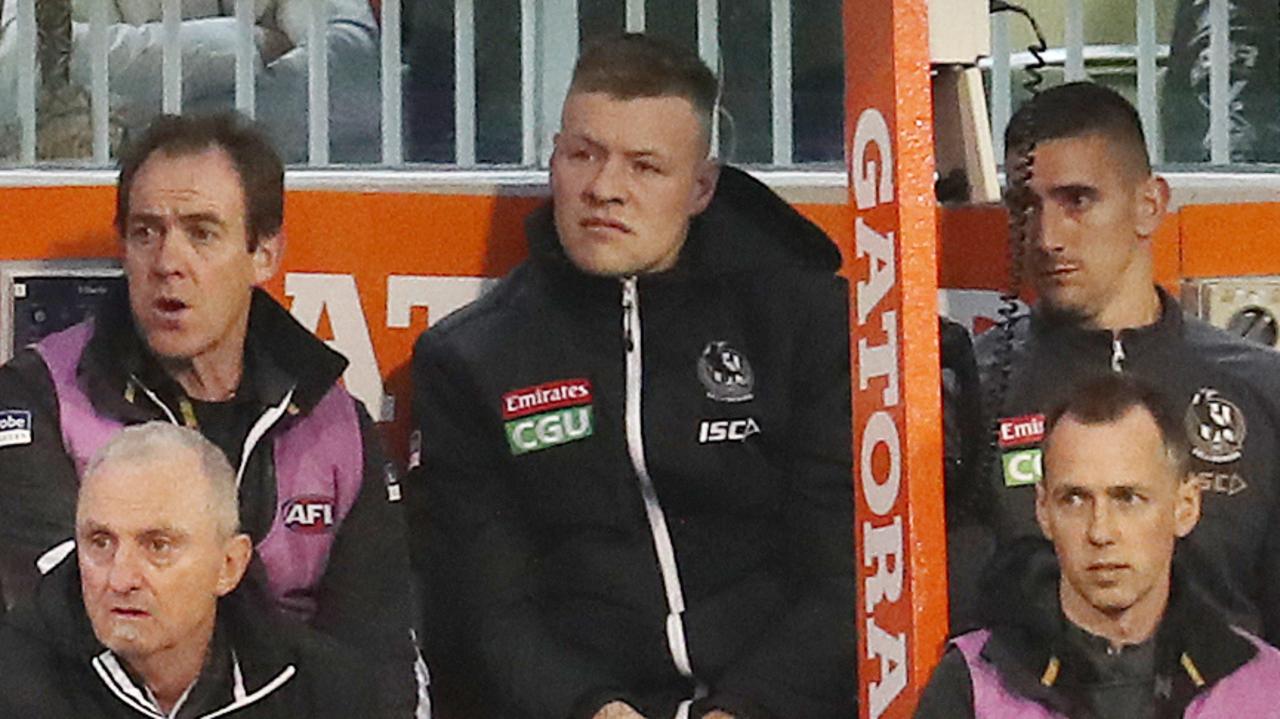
746 227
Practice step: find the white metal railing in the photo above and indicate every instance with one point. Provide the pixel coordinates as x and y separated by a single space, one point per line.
548 45
1146 57
547 50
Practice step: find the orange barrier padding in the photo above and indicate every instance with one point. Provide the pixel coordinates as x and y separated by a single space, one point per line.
973 253
1223 240
51 222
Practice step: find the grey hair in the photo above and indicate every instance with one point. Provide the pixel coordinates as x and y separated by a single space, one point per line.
150 441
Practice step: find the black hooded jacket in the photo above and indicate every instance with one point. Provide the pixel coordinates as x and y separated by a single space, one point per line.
539 540
53 667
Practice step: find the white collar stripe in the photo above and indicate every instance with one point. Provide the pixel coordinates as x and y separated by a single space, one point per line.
118 682
271 686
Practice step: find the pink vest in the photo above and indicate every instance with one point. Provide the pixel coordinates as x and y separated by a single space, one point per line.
319 462
1251 691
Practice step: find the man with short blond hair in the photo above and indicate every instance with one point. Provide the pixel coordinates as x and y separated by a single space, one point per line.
149 616
634 497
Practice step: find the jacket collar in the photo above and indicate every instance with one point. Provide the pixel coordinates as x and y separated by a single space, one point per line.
1048 326
746 227
246 663
280 354
1194 646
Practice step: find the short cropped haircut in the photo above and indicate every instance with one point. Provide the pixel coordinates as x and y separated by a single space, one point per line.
259 166
141 443
1109 397
633 65
1078 109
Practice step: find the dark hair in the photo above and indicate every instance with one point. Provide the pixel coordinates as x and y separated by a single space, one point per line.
1078 109
1109 397
633 65
256 161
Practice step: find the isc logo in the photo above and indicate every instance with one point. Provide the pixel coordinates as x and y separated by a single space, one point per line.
311 515
727 430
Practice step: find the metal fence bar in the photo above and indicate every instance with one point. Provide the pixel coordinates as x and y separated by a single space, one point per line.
99 95
635 15
1074 40
1001 83
1148 109
709 51
318 84
1219 82
171 56
246 100
528 82
780 37
464 85
556 60
25 26
392 103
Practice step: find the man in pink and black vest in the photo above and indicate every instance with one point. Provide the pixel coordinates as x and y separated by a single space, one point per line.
1121 636
196 342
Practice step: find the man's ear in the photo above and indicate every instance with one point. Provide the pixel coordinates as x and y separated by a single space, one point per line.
1042 509
704 186
1186 510
1151 202
267 256
235 560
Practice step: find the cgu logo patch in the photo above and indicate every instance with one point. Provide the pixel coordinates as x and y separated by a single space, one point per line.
547 415
309 514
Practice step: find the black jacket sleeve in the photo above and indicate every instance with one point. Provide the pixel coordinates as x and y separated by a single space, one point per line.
37 479
804 665
364 595
949 693
484 634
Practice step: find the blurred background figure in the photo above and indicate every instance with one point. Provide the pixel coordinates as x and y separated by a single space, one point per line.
208 37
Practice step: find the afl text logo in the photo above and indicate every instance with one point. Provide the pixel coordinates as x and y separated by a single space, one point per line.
726 373
309 515
1215 427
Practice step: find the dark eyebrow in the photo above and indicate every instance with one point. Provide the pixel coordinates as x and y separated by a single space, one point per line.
202 218
1073 190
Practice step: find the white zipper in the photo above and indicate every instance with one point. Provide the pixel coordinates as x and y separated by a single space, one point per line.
156 399
677 644
1117 354
264 423
259 428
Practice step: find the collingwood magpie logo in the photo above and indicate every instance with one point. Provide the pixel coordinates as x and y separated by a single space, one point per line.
1215 427
726 373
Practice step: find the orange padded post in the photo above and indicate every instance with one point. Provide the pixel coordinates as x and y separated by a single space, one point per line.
891 264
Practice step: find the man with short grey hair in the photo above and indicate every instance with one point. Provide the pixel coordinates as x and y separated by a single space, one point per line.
153 617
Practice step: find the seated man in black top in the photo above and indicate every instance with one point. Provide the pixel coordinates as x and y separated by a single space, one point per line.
1117 634
149 616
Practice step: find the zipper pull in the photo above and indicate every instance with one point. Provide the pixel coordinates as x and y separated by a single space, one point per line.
628 303
1117 354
